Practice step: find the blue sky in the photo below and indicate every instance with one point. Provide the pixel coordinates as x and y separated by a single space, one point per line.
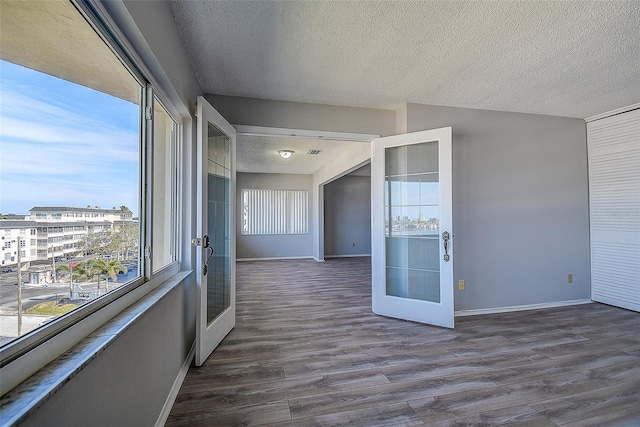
62 144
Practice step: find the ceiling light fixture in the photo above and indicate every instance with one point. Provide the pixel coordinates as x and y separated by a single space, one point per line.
285 154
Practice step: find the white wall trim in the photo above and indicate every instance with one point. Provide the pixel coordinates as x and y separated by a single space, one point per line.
613 112
274 258
460 313
175 389
347 256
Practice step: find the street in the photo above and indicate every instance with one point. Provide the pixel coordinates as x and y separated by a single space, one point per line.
35 294
31 294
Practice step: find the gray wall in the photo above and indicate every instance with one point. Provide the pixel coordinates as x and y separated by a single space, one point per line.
299 115
128 383
347 216
273 246
520 205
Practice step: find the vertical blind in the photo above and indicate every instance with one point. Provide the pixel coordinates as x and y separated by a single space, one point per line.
614 193
275 211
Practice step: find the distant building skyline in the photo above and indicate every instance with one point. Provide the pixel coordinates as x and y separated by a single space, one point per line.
55 231
18 216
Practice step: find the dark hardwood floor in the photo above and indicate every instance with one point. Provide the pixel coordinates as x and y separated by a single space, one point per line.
307 351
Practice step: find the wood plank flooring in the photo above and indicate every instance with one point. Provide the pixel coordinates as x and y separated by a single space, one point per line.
307 351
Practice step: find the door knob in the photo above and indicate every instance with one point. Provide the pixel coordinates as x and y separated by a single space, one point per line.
445 239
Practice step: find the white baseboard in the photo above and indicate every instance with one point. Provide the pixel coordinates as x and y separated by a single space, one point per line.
274 258
168 404
347 256
495 310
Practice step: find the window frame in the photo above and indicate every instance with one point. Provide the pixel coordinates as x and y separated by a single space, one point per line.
25 355
175 183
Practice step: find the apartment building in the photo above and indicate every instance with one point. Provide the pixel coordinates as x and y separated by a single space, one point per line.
56 232
18 236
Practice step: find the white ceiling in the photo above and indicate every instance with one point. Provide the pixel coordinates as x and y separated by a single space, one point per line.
259 154
564 58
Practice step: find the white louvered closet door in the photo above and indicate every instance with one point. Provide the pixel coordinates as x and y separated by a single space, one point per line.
614 193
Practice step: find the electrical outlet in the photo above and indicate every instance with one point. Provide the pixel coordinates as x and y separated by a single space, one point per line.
570 278
461 285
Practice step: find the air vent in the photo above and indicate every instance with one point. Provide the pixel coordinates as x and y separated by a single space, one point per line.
314 152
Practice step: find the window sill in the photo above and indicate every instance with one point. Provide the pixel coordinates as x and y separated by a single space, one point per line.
27 397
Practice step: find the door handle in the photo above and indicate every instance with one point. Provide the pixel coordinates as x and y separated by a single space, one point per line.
445 239
206 244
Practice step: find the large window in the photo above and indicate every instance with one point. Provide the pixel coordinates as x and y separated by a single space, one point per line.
88 164
275 211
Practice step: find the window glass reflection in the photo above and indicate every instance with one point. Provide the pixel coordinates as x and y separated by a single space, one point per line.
412 222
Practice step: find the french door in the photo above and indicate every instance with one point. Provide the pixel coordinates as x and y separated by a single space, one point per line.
412 255
216 252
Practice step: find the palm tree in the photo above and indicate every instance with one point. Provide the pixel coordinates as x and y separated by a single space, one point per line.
76 271
110 269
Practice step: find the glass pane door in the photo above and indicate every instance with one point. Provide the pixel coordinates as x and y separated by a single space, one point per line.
218 209
412 221
215 239
411 233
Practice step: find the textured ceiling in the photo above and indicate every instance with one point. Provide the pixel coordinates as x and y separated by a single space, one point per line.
564 58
